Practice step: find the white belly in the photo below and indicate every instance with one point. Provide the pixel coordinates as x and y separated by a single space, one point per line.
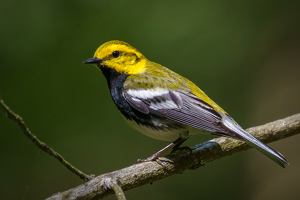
163 133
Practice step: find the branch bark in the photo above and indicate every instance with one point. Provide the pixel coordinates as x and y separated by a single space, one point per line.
148 172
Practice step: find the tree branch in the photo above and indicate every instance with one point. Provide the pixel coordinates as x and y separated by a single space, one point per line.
11 115
148 172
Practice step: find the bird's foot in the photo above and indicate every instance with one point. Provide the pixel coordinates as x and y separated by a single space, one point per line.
154 157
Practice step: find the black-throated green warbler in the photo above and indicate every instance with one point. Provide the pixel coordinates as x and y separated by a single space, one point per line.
162 104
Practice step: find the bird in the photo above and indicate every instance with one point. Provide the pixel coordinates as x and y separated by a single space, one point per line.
164 105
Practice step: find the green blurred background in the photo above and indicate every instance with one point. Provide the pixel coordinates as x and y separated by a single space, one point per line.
245 55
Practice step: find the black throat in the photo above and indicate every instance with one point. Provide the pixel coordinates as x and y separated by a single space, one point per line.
115 81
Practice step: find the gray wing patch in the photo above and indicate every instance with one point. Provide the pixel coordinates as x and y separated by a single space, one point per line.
146 101
176 99
183 108
196 113
137 103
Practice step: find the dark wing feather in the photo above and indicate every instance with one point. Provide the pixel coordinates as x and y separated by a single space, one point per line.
183 108
196 113
137 103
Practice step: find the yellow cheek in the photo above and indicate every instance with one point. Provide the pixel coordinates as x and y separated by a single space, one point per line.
128 67
136 68
128 62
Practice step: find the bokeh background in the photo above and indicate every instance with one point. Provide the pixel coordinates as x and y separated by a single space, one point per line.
244 54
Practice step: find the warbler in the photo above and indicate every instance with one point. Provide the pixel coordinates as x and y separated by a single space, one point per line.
162 104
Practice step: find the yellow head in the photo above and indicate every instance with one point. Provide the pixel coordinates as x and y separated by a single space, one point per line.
119 56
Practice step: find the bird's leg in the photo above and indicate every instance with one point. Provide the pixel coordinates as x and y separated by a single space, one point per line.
154 157
177 146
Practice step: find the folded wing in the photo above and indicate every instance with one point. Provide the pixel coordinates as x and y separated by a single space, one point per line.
183 108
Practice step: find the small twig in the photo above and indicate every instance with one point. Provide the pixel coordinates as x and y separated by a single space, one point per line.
117 189
11 115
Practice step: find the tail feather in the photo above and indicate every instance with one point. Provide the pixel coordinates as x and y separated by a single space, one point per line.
268 151
252 141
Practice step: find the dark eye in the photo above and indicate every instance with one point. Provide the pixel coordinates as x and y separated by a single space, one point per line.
116 54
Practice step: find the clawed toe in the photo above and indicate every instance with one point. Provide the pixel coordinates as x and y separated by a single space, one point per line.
154 158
